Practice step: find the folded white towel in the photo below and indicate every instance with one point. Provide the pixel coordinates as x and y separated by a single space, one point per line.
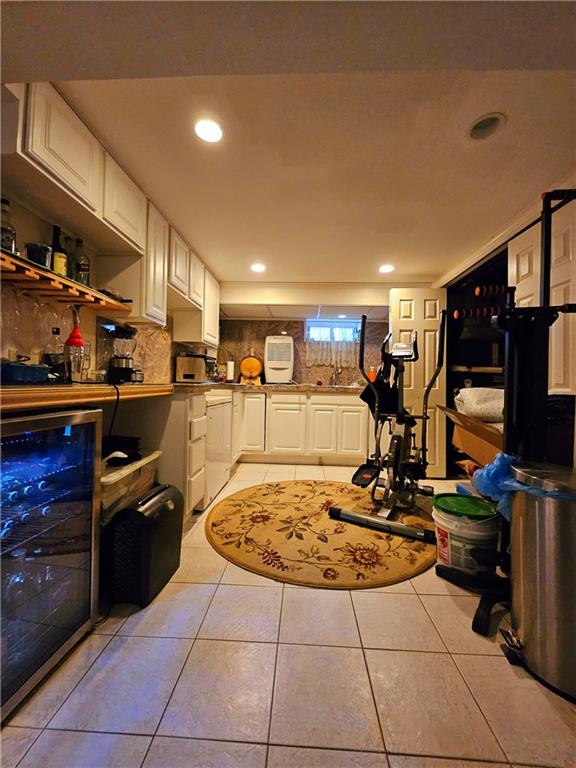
482 403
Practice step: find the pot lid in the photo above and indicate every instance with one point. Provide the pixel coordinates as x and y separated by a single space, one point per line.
547 477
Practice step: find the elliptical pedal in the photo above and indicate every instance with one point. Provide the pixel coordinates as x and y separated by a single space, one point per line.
365 475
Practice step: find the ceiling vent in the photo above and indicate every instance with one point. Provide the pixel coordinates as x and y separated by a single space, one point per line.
486 126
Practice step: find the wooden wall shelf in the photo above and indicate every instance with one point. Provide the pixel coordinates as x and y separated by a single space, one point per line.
38 281
32 398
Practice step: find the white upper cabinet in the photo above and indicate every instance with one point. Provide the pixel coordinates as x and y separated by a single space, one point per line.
178 265
60 142
155 267
196 281
124 203
211 313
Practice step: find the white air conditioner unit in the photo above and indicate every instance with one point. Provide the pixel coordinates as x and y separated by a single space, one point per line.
279 359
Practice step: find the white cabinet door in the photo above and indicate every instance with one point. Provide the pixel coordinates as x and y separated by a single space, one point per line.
352 431
323 429
237 403
59 141
124 203
178 264
286 432
196 280
155 261
211 313
253 422
524 274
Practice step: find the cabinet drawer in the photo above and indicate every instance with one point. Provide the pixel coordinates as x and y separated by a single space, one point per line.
196 489
335 399
196 428
287 398
196 455
197 406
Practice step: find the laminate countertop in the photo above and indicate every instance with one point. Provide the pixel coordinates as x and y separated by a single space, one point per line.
22 398
313 389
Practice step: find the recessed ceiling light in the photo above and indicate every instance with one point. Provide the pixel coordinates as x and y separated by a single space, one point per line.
341 317
486 126
258 268
283 333
208 130
386 268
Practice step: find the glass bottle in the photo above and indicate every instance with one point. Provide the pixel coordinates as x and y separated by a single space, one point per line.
59 257
8 231
81 264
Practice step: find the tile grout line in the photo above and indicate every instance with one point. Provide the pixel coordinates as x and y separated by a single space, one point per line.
47 678
433 623
40 732
464 679
177 679
274 678
368 675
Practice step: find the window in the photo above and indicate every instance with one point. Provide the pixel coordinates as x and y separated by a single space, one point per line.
333 330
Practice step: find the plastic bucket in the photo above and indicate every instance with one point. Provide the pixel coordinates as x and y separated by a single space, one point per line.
463 524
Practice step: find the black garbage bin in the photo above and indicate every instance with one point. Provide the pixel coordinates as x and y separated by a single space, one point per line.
140 548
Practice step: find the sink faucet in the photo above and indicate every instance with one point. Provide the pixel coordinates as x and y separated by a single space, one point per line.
335 373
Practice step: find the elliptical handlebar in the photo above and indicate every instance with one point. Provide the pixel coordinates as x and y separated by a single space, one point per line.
439 366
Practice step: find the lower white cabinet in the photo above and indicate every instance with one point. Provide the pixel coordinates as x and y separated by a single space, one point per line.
253 436
323 429
352 431
286 424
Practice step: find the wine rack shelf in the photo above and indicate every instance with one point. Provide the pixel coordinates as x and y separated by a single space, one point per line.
38 281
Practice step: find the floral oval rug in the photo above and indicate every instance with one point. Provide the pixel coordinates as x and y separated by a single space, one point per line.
282 530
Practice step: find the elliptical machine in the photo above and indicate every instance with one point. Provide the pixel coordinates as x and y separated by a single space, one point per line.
395 476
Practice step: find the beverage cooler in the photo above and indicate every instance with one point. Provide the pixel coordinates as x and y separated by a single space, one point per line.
50 476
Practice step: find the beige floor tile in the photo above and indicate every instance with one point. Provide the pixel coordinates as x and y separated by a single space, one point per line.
201 565
428 583
243 613
342 474
166 752
14 742
126 689
176 612
404 761
452 616
236 575
224 692
322 698
278 472
309 472
401 588
65 749
296 757
197 536
396 622
426 708
44 703
534 725
252 472
117 616
318 617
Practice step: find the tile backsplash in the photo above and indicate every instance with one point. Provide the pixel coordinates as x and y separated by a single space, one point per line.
239 338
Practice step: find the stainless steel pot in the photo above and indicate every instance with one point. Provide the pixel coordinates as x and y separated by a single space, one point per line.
543 572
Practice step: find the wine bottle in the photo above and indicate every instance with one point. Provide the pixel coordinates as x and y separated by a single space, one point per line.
59 257
81 264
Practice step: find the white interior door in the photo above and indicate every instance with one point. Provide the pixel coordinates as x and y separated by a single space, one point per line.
418 309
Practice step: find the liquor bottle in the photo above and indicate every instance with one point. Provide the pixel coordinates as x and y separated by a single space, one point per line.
59 257
8 232
81 264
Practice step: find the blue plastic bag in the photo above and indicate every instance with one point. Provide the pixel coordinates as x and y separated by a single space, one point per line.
495 481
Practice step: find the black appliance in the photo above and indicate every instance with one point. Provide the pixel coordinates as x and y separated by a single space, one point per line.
49 534
140 549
